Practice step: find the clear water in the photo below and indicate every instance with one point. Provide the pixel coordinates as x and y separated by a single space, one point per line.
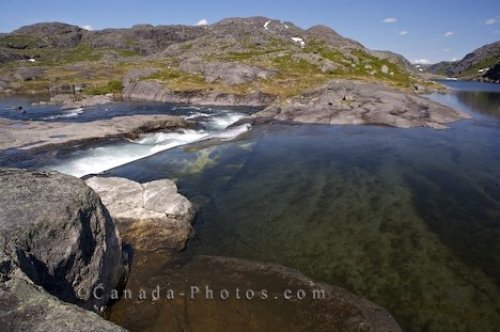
212 126
409 218
32 111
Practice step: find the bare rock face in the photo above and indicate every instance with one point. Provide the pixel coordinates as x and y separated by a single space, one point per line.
359 102
55 230
150 216
231 73
154 91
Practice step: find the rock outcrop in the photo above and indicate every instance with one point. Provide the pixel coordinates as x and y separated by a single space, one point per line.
154 91
473 66
493 74
55 230
359 102
231 73
40 134
255 299
150 216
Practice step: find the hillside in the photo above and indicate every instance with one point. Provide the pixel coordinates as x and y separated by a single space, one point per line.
478 64
236 55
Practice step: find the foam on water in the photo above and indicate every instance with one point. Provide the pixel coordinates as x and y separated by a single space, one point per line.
100 159
68 114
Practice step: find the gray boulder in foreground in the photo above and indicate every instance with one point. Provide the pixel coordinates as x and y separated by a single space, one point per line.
150 216
28 307
361 102
55 230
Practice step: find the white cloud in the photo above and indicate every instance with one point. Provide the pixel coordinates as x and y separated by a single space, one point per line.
449 34
447 50
454 59
389 20
422 61
495 32
202 22
87 27
403 33
490 21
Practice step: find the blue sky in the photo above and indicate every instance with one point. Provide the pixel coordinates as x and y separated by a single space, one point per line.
425 30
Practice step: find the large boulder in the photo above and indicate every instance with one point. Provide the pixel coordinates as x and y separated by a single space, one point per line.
150 216
55 230
28 307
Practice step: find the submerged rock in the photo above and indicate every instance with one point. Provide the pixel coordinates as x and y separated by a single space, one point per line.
359 102
150 216
212 293
55 230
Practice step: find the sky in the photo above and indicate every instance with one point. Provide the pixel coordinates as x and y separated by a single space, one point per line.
424 31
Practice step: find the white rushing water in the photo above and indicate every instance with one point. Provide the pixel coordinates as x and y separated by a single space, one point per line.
102 158
68 114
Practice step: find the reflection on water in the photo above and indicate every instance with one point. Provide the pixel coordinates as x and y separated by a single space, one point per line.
484 102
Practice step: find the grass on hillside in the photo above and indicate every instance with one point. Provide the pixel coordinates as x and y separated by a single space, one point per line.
296 69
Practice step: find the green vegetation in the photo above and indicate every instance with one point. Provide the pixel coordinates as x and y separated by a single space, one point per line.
301 69
20 41
113 86
297 69
472 71
166 74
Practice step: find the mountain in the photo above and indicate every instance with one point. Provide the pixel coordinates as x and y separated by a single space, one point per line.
474 65
235 55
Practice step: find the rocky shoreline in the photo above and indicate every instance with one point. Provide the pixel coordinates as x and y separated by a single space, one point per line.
30 135
338 102
344 102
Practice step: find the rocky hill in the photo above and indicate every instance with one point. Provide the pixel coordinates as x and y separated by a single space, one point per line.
237 56
475 65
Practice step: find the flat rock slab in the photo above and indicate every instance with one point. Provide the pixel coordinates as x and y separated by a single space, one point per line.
38 134
360 102
150 216
335 310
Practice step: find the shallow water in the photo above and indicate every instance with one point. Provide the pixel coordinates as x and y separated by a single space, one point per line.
32 111
409 218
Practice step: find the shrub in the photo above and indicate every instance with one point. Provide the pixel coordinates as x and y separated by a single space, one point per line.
113 86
